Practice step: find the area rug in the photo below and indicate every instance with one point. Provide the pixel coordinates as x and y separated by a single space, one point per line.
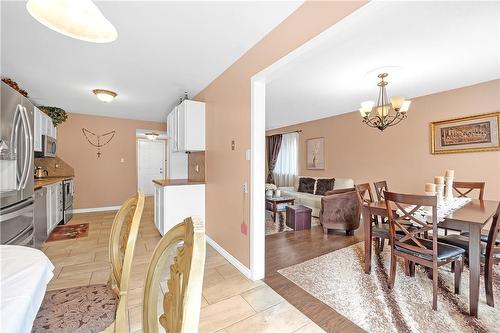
338 280
278 226
63 232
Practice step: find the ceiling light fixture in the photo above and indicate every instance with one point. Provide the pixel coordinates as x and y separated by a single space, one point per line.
386 113
80 19
152 135
105 95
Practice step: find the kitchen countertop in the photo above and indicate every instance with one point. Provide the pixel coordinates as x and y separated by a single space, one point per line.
176 182
39 182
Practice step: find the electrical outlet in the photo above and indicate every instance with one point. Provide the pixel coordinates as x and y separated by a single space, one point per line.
233 145
245 188
248 154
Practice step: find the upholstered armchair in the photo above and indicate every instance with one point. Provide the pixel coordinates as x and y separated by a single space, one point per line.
340 209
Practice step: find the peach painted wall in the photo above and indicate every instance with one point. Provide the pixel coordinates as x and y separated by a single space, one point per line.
401 154
104 181
228 117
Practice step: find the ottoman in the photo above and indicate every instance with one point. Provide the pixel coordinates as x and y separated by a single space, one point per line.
298 217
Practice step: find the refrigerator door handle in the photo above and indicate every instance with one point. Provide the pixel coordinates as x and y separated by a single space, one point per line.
16 123
29 144
27 149
19 212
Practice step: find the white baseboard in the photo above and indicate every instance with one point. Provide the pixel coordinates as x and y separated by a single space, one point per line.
97 209
235 262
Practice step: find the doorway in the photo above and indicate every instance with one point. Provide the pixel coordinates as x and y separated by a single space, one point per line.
150 163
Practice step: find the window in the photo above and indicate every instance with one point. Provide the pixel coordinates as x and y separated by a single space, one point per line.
286 168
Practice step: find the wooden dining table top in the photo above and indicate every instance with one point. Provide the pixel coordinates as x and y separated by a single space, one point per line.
475 211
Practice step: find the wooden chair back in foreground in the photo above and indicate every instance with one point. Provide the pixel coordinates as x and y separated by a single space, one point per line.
380 187
365 192
492 257
181 303
464 188
410 246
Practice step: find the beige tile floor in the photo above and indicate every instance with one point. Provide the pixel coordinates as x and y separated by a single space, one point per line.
230 301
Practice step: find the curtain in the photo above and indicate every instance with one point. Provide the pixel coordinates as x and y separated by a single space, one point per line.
286 168
273 145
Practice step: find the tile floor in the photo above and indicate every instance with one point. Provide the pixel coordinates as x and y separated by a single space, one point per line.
230 302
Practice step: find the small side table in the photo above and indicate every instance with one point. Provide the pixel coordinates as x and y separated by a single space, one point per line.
298 217
273 202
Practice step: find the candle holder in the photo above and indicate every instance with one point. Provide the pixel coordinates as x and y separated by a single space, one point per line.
428 209
440 194
448 197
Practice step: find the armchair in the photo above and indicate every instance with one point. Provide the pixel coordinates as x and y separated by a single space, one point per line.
340 209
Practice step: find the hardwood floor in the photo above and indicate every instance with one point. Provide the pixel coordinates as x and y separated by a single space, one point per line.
290 248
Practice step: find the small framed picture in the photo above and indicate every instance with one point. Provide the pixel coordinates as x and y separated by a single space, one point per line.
467 134
315 149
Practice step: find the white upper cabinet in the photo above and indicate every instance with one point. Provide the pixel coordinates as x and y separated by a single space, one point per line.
186 126
43 126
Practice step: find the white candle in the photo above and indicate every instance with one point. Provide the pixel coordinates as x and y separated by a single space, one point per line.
430 187
439 180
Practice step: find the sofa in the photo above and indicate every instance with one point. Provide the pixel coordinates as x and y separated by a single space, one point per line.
313 200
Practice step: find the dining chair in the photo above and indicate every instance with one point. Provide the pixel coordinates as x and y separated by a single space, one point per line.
380 187
490 252
184 247
413 248
93 308
380 231
463 189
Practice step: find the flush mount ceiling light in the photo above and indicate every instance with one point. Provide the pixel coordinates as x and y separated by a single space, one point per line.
387 112
105 95
152 135
80 19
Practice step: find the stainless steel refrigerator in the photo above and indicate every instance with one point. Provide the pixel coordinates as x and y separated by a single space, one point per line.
16 168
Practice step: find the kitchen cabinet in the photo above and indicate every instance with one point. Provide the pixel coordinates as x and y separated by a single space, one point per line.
54 205
186 126
43 126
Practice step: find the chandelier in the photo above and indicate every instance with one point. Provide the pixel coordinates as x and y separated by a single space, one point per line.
386 113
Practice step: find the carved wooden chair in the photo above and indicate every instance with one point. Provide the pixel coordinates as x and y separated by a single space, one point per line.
181 303
380 232
490 252
93 308
380 187
425 252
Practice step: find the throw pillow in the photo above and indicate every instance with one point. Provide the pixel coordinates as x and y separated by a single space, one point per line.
306 185
324 185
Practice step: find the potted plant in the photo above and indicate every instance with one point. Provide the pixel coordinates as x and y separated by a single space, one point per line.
58 115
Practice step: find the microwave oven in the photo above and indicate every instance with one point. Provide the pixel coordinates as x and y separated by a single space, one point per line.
49 146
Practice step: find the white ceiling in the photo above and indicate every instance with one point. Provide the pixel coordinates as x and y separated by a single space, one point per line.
436 45
163 48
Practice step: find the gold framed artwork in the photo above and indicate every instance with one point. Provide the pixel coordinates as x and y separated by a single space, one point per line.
315 149
466 134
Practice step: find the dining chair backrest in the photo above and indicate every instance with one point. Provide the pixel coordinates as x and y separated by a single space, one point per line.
380 187
464 188
407 205
181 304
492 247
365 192
122 242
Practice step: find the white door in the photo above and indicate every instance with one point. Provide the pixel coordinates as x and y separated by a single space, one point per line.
151 163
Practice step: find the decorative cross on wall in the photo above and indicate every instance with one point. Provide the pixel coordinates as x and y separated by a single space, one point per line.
98 140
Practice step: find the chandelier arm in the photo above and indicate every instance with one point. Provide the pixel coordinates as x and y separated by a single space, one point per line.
370 122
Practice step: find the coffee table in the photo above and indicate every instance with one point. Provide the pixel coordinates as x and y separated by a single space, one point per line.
273 202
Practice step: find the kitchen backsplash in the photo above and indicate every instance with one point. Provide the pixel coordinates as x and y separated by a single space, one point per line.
55 166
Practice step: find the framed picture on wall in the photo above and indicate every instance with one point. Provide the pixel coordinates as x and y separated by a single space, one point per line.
315 149
467 134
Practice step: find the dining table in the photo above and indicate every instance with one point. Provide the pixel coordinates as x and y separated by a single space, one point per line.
471 217
24 275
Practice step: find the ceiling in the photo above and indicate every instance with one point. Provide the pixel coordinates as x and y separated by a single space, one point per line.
163 49
432 46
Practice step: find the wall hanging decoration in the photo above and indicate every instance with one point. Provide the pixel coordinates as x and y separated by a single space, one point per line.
98 140
467 134
58 115
315 153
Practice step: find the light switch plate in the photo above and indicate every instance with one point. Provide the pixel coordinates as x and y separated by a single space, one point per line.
248 154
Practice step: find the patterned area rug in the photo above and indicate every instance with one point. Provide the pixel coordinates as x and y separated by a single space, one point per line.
63 232
338 279
278 226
